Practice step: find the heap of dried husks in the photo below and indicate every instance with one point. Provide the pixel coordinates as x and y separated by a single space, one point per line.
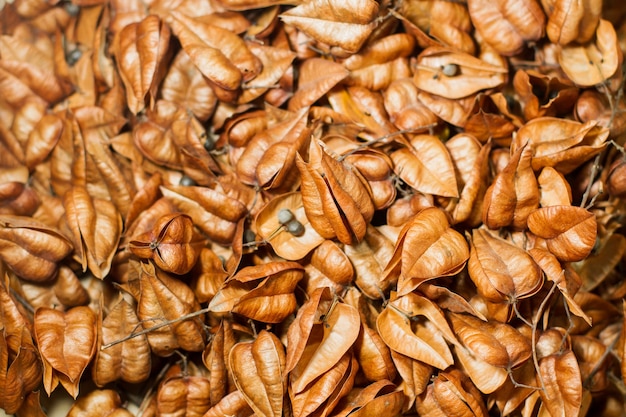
313 207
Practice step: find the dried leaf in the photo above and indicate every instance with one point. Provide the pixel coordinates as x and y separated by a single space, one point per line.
426 166
560 375
67 342
95 227
142 50
570 232
259 372
335 23
30 248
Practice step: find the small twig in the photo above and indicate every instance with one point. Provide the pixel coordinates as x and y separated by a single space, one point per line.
157 327
597 366
534 333
594 169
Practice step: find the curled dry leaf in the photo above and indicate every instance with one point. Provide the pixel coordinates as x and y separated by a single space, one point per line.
95 227
287 245
173 244
427 248
426 166
141 52
343 25
317 77
324 393
369 258
258 369
20 364
186 394
541 95
31 249
98 403
595 61
212 210
220 55
320 341
335 197
160 299
67 342
129 360
559 143
508 25
375 399
262 292
185 84
513 194
268 158
501 271
572 21
329 266
559 374
422 340
570 232
451 74
374 355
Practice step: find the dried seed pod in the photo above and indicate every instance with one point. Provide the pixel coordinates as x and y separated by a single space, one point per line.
285 216
295 227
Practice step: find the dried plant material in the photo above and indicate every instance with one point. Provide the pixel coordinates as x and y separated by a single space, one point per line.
313 207
99 403
508 25
425 340
427 248
335 23
571 237
173 244
263 292
501 271
187 394
67 342
426 166
321 341
185 84
220 55
595 61
259 373
405 110
452 74
562 144
30 248
213 211
276 62
162 299
554 190
20 364
370 258
232 404
451 393
287 245
317 77
513 194
572 21
95 227
541 95
335 198
329 266
268 158
374 356
141 52
560 375
129 360
326 390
